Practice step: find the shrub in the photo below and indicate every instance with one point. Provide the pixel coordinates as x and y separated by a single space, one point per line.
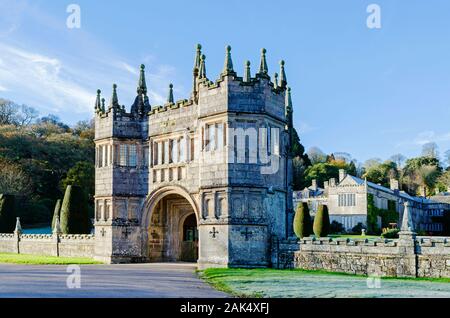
336 228
74 212
56 212
7 213
322 222
392 233
302 221
357 229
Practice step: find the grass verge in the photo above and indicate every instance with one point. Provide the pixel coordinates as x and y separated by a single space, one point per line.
44 260
220 278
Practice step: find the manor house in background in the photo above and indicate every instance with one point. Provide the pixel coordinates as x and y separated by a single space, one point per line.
348 200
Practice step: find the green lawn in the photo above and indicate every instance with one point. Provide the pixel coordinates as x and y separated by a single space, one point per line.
44 260
306 283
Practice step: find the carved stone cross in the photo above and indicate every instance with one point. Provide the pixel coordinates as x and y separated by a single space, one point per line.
126 232
246 233
103 232
213 232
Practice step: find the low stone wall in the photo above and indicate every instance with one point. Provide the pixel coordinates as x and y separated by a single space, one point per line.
404 257
82 245
282 253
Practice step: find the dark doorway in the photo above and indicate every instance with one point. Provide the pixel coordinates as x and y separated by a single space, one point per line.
189 245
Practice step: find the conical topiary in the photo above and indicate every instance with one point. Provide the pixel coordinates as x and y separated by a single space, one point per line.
322 222
7 213
74 212
302 221
56 212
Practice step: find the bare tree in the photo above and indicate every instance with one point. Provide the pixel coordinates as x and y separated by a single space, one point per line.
431 150
13 180
26 115
8 111
316 155
369 163
399 159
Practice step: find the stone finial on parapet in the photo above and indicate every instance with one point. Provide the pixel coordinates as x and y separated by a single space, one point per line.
283 78
18 229
98 105
57 228
247 73
263 70
275 80
407 225
170 99
202 70
228 64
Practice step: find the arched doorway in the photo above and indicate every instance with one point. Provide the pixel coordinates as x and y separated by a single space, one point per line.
171 228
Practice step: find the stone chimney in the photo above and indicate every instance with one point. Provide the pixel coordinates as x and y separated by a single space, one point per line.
342 174
332 182
395 186
314 184
326 184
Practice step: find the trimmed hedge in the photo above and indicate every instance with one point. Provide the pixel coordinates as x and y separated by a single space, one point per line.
302 221
56 212
7 213
74 216
322 222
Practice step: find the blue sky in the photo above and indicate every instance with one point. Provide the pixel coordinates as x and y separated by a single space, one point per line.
368 92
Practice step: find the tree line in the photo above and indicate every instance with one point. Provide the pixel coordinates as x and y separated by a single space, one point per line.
39 157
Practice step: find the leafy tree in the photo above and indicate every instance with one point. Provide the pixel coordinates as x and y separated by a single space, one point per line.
382 173
7 213
321 172
322 222
82 175
300 162
420 175
302 221
74 212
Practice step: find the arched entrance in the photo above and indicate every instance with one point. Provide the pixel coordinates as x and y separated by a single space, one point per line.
171 226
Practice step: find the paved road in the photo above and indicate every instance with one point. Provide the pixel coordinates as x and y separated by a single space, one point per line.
110 281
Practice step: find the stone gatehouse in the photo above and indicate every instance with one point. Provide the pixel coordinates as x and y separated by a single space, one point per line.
205 179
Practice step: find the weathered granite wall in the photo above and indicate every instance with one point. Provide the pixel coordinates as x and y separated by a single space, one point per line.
80 245
407 256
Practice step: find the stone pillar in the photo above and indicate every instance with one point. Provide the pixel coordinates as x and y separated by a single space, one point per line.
17 234
407 264
55 237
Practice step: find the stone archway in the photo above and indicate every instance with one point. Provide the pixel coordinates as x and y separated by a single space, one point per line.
169 213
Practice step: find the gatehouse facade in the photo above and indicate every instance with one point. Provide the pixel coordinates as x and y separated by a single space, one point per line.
205 179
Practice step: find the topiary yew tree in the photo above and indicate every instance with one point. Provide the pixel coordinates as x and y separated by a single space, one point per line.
56 212
322 222
302 221
74 212
7 213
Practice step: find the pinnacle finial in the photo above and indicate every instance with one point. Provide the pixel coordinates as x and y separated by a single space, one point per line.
406 220
288 102
228 64
57 228
170 99
198 55
114 99
283 80
275 80
98 104
18 229
103 105
247 74
142 85
263 63
202 70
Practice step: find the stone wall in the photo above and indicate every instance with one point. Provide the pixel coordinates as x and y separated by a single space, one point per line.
79 245
405 257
